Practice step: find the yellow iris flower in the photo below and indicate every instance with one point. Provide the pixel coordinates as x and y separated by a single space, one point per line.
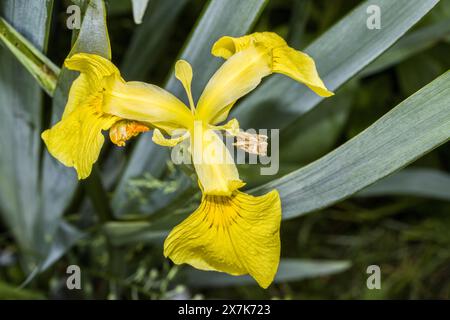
231 231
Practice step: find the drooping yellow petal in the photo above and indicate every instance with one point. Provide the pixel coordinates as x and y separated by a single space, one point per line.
300 67
237 235
94 68
235 78
183 72
77 139
159 138
213 163
94 74
285 60
80 91
147 103
124 130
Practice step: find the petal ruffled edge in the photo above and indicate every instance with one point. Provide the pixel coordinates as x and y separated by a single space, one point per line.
285 60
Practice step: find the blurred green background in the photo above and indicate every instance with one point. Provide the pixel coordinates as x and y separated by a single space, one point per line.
401 223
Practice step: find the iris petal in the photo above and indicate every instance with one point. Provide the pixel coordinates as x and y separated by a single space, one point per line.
300 67
214 165
234 79
77 139
183 72
94 69
147 103
285 60
237 235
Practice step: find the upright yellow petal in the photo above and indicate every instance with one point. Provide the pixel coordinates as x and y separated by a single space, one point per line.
183 72
147 103
234 79
213 163
285 60
237 235
77 139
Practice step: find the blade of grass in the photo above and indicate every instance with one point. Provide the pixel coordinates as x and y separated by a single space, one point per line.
417 182
39 66
300 12
139 7
149 38
20 126
408 46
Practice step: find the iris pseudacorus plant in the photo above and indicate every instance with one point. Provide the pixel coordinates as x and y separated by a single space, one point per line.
231 231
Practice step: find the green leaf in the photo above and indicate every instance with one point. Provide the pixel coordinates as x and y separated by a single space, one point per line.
139 7
150 37
65 237
116 8
339 54
132 232
408 46
288 270
317 131
232 17
416 72
93 36
20 127
123 233
40 67
418 182
154 230
416 126
301 9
